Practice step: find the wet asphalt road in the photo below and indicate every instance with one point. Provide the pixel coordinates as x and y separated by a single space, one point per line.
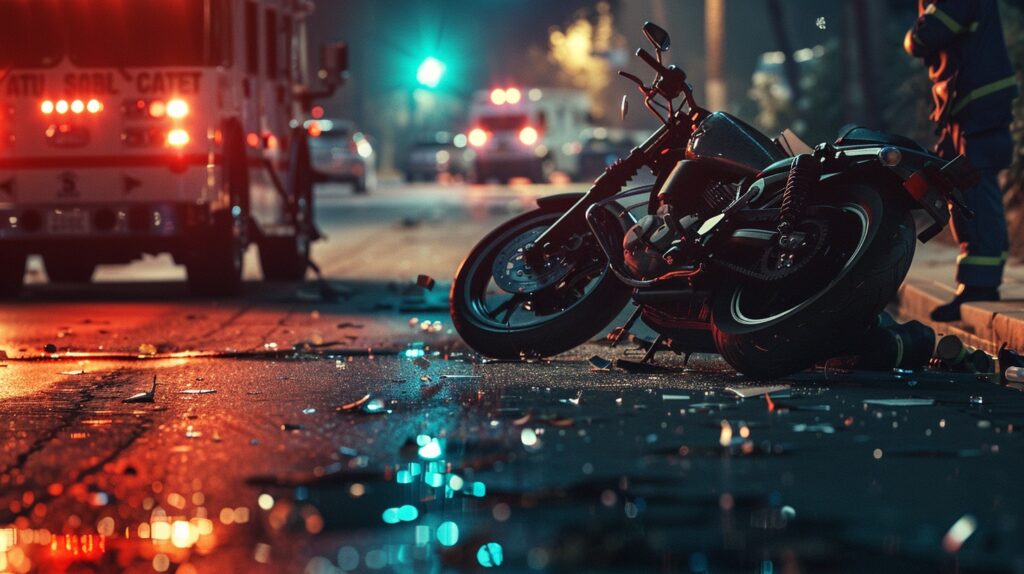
294 433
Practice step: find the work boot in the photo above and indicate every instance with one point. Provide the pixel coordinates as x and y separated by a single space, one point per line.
951 311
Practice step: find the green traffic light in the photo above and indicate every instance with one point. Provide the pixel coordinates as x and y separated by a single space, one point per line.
430 72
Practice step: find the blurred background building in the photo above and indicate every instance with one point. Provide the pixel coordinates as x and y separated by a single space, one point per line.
810 65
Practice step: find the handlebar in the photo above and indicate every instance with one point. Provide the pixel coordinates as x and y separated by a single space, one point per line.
651 61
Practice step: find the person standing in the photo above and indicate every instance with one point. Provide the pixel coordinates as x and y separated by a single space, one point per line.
973 88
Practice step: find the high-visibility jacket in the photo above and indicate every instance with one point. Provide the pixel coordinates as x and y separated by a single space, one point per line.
962 43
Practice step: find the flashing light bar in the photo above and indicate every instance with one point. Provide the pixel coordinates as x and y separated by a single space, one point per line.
62 107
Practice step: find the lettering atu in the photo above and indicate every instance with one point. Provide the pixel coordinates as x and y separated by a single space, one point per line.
105 83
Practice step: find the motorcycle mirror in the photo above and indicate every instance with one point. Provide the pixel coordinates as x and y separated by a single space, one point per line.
624 107
657 36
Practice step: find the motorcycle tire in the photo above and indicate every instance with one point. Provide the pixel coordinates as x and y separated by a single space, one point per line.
829 320
555 334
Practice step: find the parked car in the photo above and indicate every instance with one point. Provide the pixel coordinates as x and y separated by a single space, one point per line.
601 149
341 153
438 153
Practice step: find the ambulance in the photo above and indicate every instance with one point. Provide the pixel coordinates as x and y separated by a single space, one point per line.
132 127
527 132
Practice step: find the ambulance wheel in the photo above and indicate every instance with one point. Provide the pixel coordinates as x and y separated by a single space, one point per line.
216 268
65 269
12 273
286 257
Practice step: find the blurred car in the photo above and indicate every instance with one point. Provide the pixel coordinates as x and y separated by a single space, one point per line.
601 149
438 153
341 153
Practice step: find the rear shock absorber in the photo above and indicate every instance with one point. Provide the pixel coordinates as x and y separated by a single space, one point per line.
803 175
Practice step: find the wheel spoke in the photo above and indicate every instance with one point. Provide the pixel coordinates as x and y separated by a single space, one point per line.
508 307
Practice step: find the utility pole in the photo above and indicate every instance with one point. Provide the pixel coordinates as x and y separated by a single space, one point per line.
714 37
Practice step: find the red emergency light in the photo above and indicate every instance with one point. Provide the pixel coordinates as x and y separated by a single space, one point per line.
62 107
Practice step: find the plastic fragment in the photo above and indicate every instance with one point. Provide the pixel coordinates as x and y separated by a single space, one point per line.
748 392
426 282
900 402
598 363
146 397
354 404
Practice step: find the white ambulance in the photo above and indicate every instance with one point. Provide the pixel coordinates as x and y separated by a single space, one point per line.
527 132
131 127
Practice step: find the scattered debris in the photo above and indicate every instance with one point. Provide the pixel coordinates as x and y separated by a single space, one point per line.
376 407
523 420
1014 375
426 282
598 363
1010 359
639 368
725 437
900 402
961 530
825 428
354 404
778 391
146 397
198 391
575 401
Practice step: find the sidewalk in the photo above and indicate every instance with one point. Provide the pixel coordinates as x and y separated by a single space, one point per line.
984 325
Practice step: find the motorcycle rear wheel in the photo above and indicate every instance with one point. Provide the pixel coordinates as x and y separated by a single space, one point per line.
498 324
763 342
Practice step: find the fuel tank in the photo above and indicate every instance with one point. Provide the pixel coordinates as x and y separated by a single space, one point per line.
729 143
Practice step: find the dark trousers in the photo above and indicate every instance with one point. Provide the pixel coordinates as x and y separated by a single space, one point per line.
984 242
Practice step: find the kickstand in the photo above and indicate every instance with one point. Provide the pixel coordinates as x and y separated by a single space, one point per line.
652 350
619 332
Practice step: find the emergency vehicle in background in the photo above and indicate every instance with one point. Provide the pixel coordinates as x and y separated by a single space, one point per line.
131 127
527 132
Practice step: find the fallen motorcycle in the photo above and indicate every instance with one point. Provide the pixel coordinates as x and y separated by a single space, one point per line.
771 253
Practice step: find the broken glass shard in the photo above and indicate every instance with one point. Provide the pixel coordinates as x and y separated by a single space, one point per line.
900 402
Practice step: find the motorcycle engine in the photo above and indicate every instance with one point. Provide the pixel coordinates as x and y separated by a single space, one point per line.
646 243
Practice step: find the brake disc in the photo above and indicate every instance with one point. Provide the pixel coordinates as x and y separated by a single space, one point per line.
513 274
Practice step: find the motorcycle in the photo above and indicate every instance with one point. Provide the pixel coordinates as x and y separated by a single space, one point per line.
768 252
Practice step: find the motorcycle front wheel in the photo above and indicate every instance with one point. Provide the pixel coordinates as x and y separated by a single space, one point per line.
771 329
504 309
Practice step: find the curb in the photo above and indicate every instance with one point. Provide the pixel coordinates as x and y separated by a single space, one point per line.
985 325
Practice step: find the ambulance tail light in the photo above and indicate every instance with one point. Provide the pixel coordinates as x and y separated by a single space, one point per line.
477 137
178 109
529 136
77 107
178 138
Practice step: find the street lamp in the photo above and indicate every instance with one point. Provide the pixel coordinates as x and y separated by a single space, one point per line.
430 72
